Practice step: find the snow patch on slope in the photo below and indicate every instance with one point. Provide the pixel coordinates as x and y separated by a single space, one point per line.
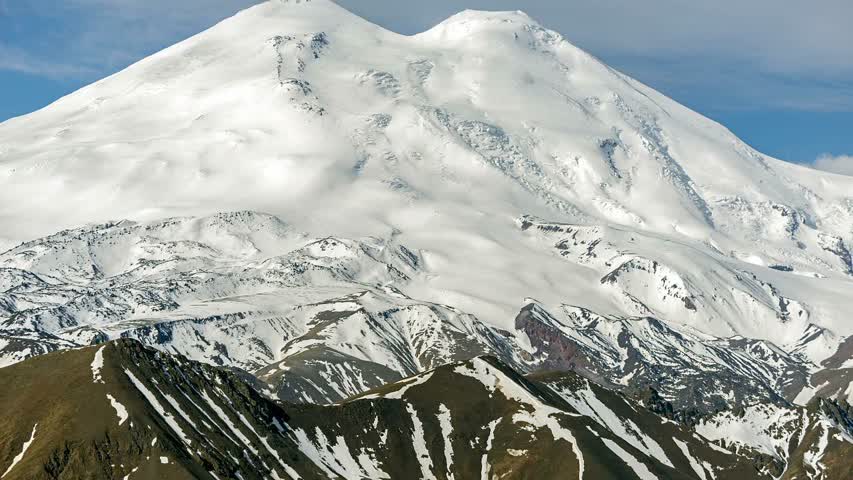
120 409
24 449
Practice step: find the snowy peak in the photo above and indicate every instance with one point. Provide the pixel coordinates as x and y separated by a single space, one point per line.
609 149
476 23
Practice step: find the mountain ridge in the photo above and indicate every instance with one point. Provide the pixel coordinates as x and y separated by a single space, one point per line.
420 192
153 415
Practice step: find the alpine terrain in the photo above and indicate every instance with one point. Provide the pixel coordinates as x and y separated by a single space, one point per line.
301 246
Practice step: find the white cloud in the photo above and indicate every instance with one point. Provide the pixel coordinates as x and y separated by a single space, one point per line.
842 164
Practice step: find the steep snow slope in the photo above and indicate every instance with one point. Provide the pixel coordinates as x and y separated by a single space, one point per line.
439 142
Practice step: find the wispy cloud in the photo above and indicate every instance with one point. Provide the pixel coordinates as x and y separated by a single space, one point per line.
842 164
17 60
727 84
97 37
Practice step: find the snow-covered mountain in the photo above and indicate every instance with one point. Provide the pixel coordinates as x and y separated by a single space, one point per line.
342 128
481 188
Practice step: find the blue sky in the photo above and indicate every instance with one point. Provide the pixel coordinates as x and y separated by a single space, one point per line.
779 73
